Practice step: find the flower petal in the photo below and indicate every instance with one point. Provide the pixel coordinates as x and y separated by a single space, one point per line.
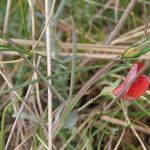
137 89
136 67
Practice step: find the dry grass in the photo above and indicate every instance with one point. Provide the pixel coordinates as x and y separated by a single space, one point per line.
54 64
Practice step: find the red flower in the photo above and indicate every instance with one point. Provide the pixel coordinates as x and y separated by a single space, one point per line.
138 88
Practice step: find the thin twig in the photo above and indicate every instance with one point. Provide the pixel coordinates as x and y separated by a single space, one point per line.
132 127
18 115
123 123
146 28
131 36
47 24
7 16
14 92
95 77
121 22
71 104
103 56
116 10
120 139
33 67
73 60
49 72
67 45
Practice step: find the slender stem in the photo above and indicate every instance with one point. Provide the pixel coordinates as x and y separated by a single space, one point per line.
48 48
47 24
121 22
7 16
73 60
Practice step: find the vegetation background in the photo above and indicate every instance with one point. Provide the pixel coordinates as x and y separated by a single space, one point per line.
82 36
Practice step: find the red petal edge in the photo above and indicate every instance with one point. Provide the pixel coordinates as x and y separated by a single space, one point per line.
138 88
136 67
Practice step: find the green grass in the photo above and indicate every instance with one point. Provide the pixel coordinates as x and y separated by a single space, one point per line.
77 122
